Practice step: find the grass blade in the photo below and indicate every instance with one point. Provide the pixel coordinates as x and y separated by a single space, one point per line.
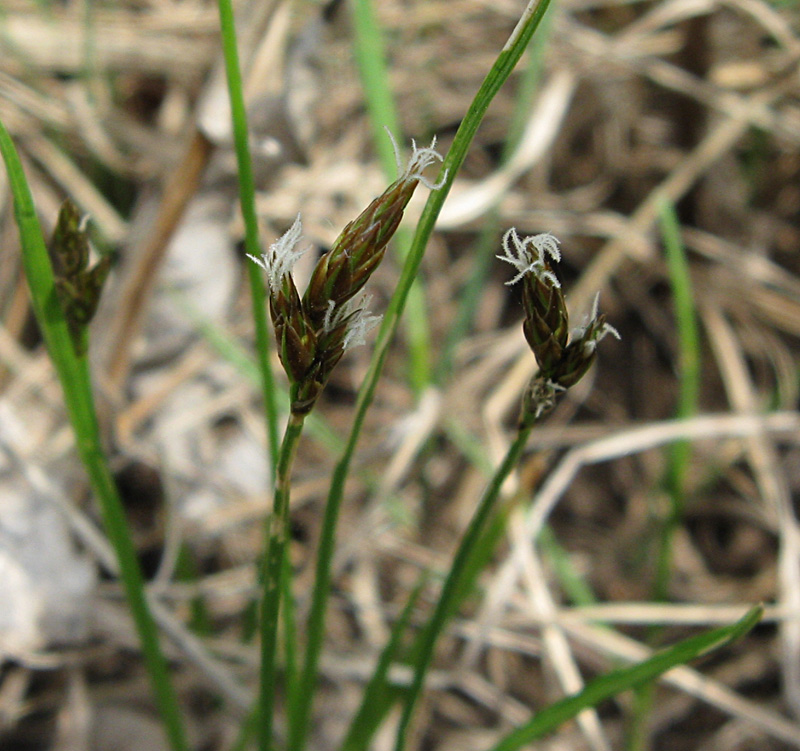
378 694
679 453
485 246
453 586
688 340
248 202
73 372
498 74
613 683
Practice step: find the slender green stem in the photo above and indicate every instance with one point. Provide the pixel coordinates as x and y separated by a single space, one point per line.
289 621
679 453
274 582
247 198
133 583
378 691
484 248
278 530
73 372
455 577
688 348
370 55
371 59
500 71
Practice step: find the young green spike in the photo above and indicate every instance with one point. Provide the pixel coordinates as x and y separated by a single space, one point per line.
77 285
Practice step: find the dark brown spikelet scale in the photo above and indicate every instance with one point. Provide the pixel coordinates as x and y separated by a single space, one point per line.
296 339
580 354
69 247
546 325
342 272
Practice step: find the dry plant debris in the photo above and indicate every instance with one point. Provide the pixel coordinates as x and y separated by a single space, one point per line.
697 102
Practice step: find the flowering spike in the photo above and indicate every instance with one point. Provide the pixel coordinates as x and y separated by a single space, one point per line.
314 332
563 357
78 286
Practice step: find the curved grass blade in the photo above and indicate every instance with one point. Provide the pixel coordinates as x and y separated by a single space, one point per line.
73 372
370 57
454 585
247 194
616 682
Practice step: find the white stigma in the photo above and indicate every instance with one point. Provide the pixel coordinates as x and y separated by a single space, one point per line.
529 255
360 325
420 159
589 322
281 256
360 322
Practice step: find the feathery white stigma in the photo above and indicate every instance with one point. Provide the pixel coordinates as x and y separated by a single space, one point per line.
420 159
589 322
528 255
360 325
281 256
359 320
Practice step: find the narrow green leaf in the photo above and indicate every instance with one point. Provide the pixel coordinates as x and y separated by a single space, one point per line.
379 694
247 193
73 373
453 586
624 679
374 73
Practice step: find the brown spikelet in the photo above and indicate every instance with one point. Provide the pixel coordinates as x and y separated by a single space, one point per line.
314 331
342 272
563 359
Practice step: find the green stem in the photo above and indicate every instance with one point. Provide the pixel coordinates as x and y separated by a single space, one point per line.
506 60
117 529
679 453
370 56
484 248
270 605
455 577
247 199
278 531
689 385
73 373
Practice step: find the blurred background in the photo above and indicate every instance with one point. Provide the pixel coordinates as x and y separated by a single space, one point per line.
636 131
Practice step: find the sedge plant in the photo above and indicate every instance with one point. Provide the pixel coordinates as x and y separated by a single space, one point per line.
507 59
65 291
564 356
312 332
